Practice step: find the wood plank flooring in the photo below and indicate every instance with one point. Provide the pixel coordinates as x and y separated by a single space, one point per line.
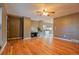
36 46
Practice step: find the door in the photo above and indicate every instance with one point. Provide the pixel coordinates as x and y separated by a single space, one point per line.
13 30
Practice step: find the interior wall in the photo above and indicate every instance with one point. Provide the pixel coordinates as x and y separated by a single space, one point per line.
67 26
27 27
40 25
3 31
35 24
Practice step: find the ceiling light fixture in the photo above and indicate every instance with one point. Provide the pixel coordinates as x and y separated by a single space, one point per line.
45 12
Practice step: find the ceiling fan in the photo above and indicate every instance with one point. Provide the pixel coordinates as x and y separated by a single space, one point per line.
45 12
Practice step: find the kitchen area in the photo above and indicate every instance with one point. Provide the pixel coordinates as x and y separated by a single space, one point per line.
43 29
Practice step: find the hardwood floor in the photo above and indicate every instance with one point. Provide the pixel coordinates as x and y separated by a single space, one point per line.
36 46
65 48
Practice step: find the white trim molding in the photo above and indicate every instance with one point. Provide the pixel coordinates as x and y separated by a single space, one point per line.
14 38
70 40
3 47
27 38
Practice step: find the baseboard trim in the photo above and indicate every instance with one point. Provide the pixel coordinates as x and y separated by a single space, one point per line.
27 38
70 40
62 38
14 38
3 47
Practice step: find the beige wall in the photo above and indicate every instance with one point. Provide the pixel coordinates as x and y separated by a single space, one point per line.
27 27
4 26
67 26
41 25
3 38
35 24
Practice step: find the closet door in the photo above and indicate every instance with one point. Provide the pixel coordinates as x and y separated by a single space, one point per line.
13 27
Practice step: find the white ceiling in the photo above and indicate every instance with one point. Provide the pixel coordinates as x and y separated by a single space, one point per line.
28 9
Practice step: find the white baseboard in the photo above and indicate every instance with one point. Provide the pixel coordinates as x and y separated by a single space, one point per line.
3 48
27 38
70 40
14 38
62 39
